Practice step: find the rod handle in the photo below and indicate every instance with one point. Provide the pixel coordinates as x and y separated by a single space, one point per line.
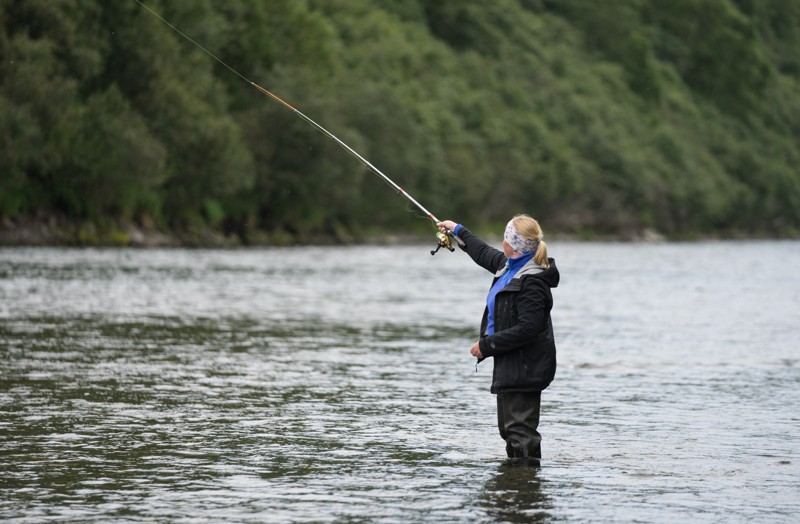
457 238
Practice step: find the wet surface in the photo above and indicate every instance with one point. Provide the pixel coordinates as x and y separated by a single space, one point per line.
335 385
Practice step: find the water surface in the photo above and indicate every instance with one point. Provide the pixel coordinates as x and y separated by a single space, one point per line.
335 385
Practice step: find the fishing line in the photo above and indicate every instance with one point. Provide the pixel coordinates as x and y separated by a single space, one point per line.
444 240
187 37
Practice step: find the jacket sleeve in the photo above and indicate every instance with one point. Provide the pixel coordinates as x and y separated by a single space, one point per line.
532 311
483 254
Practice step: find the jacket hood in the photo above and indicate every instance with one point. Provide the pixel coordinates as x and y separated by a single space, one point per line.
549 275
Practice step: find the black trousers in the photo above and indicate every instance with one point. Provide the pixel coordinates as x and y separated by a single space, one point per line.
518 420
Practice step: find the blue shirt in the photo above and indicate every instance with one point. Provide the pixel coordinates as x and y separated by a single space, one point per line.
513 265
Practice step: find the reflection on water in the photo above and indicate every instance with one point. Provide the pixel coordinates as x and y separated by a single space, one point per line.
515 494
335 385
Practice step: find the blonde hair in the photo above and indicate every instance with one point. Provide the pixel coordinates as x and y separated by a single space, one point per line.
529 228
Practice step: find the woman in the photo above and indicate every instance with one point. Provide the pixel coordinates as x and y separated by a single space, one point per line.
516 328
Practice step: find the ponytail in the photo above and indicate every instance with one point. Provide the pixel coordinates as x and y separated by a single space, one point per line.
541 255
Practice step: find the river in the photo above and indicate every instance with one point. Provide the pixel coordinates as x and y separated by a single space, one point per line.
334 384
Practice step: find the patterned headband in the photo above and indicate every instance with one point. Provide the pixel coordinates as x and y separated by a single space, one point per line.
518 242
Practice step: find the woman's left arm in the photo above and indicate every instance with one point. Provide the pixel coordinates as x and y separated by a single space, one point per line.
532 310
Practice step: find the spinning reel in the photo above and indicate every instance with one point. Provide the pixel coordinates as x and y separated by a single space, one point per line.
444 240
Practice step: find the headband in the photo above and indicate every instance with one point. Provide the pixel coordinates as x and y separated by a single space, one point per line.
518 242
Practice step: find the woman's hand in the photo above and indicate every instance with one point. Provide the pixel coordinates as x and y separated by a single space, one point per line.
446 225
476 350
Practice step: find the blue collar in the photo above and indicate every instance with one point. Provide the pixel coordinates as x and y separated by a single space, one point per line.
514 264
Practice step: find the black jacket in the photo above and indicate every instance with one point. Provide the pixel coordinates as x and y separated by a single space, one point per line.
522 344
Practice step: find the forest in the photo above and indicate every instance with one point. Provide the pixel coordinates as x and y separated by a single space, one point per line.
601 119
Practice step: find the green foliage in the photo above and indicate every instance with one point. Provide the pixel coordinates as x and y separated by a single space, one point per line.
603 117
107 158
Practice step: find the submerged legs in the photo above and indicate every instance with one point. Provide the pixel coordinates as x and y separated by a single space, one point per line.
518 420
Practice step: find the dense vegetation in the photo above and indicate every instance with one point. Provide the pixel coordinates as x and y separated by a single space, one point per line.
681 116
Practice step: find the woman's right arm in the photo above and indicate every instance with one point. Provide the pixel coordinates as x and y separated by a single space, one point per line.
483 254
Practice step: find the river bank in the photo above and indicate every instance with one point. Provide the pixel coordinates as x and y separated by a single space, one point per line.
53 230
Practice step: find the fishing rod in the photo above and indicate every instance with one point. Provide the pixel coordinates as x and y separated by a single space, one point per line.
443 238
